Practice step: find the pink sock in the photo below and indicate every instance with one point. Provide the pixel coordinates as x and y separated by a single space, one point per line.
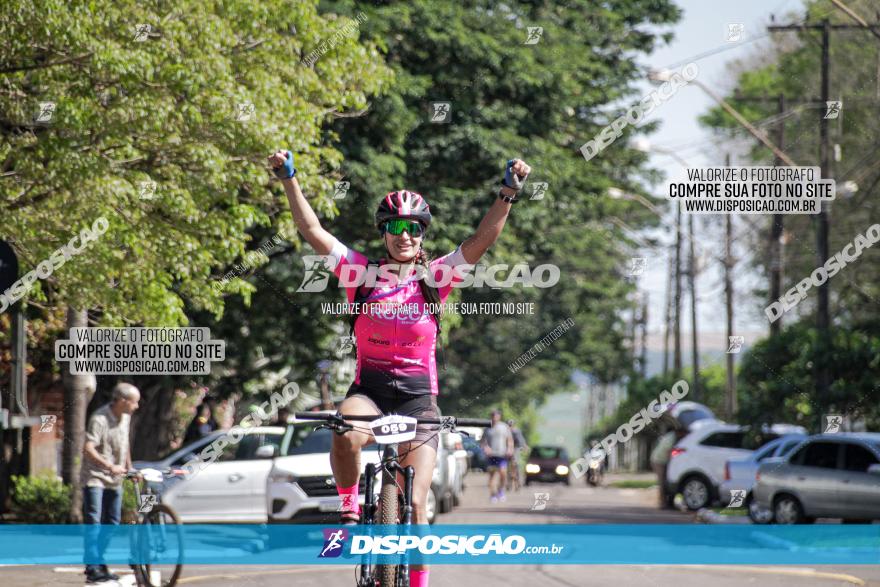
418 578
349 497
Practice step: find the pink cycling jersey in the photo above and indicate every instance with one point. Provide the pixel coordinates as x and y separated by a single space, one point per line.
396 349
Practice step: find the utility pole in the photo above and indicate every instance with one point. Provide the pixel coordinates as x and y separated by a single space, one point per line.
776 254
823 377
634 319
730 403
668 320
643 361
823 322
776 228
676 361
692 279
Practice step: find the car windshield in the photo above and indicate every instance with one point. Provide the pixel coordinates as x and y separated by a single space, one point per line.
192 447
688 417
312 441
546 452
765 451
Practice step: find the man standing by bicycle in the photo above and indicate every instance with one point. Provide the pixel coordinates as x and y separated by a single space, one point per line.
106 460
497 443
396 350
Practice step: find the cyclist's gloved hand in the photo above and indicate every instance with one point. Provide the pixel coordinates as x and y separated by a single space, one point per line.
515 173
282 164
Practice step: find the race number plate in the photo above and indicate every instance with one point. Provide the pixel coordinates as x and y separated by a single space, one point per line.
392 429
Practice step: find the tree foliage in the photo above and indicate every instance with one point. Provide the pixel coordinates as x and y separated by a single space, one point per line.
165 108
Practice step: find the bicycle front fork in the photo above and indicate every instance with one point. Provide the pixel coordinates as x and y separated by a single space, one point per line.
389 458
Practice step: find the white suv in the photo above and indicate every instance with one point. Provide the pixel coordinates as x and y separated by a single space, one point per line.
301 487
696 463
232 488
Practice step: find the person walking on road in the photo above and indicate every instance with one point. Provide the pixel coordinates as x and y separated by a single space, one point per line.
497 442
106 460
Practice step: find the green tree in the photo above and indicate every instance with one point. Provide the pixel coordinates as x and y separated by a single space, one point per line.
102 101
539 102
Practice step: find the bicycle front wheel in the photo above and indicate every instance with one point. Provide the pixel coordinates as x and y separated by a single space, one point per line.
388 514
165 542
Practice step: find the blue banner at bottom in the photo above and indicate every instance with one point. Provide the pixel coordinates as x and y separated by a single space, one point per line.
441 544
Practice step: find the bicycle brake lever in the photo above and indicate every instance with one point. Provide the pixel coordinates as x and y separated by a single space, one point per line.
340 428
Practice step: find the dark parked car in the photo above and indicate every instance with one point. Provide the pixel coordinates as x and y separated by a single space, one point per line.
477 459
548 463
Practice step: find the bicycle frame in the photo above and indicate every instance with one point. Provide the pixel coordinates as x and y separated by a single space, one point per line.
155 538
368 515
391 466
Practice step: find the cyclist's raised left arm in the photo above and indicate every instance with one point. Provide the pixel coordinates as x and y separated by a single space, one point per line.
475 246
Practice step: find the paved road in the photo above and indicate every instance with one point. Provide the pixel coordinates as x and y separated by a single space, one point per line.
566 505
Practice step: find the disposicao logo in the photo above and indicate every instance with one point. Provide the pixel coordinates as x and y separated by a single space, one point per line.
334 542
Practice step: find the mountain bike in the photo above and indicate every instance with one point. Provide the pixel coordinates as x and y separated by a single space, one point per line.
162 535
393 505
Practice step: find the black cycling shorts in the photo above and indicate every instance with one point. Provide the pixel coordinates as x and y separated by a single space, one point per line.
424 406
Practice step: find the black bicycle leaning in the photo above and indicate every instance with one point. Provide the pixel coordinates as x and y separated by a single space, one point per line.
162 535
393 505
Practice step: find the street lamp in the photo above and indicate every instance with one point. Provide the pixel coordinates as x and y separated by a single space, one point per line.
618 194
664 75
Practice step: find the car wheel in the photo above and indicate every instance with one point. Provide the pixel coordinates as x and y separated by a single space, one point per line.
758 514
567 481
696 493
444 504
431 506
788 510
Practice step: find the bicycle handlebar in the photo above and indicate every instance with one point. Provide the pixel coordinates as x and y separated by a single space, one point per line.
369 418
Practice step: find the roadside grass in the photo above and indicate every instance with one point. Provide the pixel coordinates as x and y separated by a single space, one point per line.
633 484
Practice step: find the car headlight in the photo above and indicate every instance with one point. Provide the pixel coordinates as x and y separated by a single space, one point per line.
533 468
561 470
281 477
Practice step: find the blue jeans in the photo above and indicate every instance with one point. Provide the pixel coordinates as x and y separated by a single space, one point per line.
102 509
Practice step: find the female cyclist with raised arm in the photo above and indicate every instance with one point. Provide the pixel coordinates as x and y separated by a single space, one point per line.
396 351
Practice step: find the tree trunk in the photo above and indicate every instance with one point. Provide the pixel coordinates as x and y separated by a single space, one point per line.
730 395
676 361
153 424
692 279
78 390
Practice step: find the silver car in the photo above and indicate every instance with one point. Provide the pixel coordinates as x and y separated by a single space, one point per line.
828 476
739 475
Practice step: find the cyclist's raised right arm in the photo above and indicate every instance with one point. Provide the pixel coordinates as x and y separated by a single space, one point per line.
305 218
